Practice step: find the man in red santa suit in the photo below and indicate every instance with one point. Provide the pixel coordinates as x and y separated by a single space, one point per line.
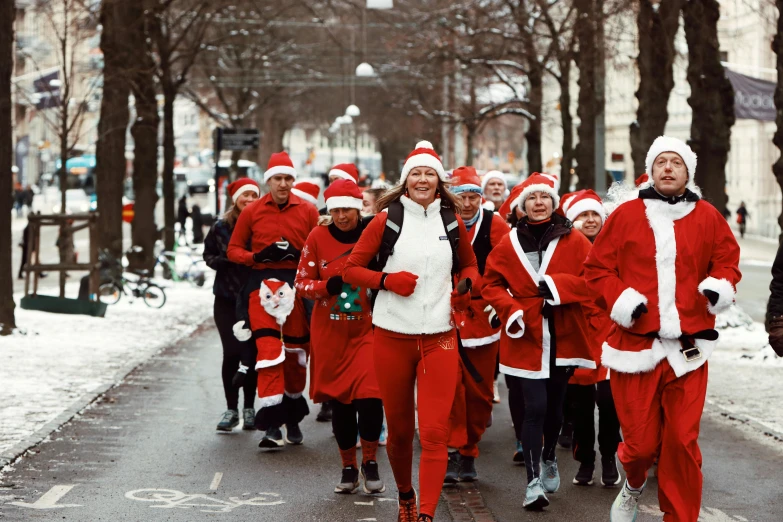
276 228
664 265
494 189
472 406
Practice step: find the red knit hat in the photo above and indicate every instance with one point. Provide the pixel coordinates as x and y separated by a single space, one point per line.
583 201
465 179
538 183
343 194
345 171
423 155
279 163
241 185
511 202
307 190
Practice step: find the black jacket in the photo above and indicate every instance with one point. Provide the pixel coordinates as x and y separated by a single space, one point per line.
230 277
775 305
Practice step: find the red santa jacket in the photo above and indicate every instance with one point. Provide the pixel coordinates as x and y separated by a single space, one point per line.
598 326
476 330
511 287
263 223
664 256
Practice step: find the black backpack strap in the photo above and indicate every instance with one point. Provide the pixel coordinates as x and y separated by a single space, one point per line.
451 225
391 233
481 244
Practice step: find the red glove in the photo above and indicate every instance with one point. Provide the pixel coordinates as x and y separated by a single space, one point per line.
401 283
460 303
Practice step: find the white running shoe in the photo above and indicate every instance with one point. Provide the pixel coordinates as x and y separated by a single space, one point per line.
625 507
535 499
550 476
495 393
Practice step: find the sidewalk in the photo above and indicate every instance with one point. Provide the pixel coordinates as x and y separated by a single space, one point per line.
55 365
757 250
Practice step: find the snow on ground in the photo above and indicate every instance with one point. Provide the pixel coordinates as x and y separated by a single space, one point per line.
54 359
744 372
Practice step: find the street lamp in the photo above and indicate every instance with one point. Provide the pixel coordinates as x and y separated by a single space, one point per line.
353 111
365 70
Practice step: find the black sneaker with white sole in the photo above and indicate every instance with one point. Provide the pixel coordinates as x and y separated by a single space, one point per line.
452 469
349 482
371 478
293 434
273 439
610 475
467 469
584 477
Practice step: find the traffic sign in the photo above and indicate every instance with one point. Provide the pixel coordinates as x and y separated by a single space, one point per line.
237 139
128 212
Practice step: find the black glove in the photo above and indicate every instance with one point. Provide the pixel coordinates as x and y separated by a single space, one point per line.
638 311
544 290
280 251
334 285
239 378
712 296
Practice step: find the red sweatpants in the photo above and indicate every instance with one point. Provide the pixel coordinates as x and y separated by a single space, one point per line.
473 401
660 414
430 363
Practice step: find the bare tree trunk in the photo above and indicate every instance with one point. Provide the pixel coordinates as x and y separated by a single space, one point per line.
110 165
169 153
7 320
567 121
777 47
711 99
391 153
533 134
145 137
585 151
657 29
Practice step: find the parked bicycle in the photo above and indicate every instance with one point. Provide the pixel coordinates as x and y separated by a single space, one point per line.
195 271
116 284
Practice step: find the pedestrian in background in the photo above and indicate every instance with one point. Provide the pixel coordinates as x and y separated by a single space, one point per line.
197 221
415 345
229 280
182 217
18 199
29 195
742 218
25 246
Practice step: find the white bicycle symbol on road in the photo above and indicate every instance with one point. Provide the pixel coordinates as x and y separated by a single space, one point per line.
172 498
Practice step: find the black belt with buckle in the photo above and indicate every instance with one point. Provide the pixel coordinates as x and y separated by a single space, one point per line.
689 350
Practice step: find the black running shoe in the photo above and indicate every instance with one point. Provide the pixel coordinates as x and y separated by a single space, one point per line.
371 477
566 436
273 439
325 415
467 469
584 477
349 483
452 471
610 475
293 435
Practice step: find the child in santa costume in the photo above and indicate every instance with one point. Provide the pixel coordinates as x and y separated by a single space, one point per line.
664 265
534 281
230 278
341 357
472 407
415 345
275 228
590 387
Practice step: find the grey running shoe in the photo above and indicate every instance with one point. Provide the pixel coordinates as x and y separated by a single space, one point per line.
535 499
625 507
349 483
550 476
452 470
249 419
229 421
371 478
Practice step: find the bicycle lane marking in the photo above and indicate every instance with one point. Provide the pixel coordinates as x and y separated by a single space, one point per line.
208 503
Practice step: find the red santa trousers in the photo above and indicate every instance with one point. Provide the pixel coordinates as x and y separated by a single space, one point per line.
429 362
660 414
472 406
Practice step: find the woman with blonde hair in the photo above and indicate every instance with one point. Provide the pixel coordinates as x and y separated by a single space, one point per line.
418 246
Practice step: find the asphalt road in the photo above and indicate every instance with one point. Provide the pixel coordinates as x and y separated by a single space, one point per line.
147 450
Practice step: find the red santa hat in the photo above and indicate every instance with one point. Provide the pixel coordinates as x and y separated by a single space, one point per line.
345 171
641 180
307 190
555 179
343 194
511 201
565 202
668 144
423 155
537 183
493 174
584 201
466 179
279 163
242 185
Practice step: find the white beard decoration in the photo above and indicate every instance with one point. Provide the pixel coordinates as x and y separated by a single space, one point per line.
277 299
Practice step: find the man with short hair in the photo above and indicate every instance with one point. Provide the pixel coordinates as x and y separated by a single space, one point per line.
665 264
275 227
494 188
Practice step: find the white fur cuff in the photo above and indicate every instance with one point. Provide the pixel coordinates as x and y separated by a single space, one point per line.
272 400
268 363
515 320
550 283
623 308
725 294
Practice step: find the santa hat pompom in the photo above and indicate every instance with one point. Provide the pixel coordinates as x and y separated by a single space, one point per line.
424 144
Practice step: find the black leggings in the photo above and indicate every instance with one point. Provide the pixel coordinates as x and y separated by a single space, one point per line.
346 427
543 414
225 317
584 399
